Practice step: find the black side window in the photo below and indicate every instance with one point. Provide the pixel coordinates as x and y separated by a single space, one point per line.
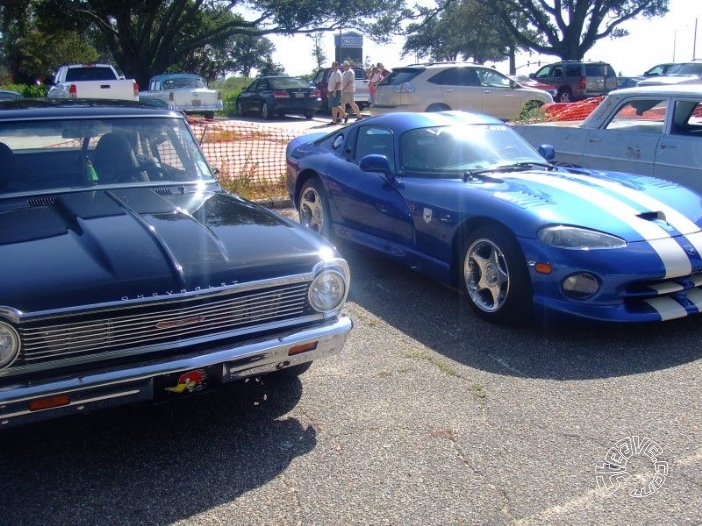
374 140
456 77
573 71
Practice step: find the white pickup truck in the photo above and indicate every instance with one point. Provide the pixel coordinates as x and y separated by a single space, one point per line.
92 81
652 130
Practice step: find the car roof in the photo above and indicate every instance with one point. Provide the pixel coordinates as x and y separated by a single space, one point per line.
692 90
42 108
402 121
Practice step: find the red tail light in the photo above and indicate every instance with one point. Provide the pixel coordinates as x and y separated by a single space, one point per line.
73 91
281 95
135 87
582 83
316 93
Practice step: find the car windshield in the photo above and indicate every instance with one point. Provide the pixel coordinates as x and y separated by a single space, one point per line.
50 155
183 83
459 149
686 69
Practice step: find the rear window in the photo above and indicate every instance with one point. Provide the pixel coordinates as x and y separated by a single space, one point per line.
89 73
595 70
360 74
401 75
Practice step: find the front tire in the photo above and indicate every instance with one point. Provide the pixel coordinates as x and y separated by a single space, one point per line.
564 95
495 275
313 208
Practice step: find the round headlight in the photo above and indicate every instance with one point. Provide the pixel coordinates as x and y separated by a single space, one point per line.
581 285
327 291
9 344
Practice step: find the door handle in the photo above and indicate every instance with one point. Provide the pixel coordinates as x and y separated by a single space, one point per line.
594 140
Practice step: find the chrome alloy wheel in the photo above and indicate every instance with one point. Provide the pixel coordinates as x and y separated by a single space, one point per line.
486 275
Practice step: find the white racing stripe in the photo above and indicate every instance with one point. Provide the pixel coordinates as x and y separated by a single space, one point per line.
667 307
672 216
675 260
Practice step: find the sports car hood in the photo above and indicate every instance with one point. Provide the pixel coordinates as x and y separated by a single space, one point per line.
635 208
83 248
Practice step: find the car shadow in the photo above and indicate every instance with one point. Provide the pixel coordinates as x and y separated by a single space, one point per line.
440 318
149 464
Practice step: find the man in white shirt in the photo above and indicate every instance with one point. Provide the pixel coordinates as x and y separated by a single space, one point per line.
348 90
334 94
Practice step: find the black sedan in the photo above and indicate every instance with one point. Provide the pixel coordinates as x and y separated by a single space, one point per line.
128 274
271 96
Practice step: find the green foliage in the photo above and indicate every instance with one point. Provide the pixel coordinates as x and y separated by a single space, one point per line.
147 37
230 88
27 90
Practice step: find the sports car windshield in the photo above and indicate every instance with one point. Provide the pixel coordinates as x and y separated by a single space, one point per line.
461 149
60 154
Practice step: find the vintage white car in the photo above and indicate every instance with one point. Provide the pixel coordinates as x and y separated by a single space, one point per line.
184 92
652 130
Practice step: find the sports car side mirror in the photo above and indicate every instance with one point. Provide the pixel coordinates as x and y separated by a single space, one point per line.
376 163
547 151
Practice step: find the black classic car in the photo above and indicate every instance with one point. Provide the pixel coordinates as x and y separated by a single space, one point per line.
129 275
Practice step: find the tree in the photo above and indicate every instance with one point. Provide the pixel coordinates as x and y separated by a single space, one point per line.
459 28
30 51
570 28
145 37
318 53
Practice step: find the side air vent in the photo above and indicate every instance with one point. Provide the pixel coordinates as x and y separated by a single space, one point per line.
38 202
163 191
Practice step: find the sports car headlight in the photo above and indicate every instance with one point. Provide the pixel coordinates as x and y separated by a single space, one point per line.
576 238
327 291
9 344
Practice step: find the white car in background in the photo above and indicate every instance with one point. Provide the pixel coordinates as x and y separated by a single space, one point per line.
455 86
184 92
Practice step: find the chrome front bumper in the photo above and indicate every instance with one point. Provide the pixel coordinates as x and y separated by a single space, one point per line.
34 400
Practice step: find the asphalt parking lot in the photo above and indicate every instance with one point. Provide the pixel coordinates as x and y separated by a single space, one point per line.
429 416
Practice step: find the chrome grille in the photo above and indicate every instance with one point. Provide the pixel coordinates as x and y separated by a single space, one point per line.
121 328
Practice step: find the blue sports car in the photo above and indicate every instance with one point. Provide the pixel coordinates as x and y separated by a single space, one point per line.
461 197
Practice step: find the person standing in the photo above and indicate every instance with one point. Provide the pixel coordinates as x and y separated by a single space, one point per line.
348 91
373 80
334 94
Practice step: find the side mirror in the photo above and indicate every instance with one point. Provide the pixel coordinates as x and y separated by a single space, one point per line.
547 151
532 75
376 163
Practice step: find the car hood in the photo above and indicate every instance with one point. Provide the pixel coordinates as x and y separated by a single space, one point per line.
635 208
73 249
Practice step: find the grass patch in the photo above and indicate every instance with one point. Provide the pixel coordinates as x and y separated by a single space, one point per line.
443 365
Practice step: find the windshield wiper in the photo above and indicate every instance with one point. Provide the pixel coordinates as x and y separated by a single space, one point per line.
505 168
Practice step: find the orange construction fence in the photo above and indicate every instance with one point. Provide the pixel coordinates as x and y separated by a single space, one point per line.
247 150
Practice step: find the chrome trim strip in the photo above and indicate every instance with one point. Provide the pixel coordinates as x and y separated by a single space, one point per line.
248 359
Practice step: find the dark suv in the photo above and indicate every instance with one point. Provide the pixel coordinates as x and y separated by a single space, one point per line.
575 80
321 78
